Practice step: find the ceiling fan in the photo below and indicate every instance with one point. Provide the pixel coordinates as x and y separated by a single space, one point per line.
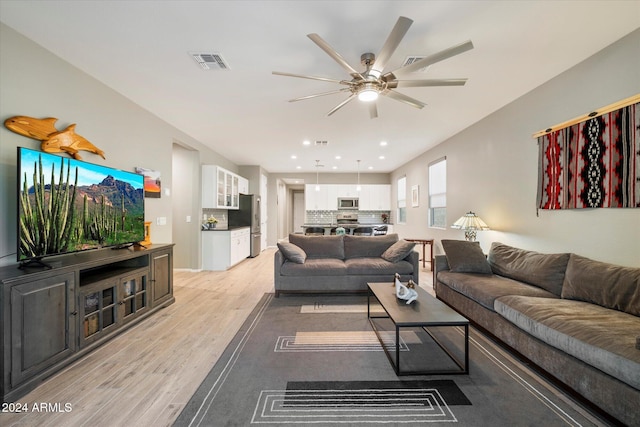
367 85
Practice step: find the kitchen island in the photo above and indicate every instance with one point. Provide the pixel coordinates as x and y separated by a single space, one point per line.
348 227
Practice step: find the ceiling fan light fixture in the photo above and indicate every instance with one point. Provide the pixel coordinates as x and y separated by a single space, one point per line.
368 93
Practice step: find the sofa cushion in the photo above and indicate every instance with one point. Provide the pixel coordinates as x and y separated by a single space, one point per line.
543 270
601 283
377 266
601 337
398 251
485 289
319 246
465 257
314 267
292 252
366 247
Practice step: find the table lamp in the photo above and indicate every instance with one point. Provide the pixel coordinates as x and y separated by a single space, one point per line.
470 223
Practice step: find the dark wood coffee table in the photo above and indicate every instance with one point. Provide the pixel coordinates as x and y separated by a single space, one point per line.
423 313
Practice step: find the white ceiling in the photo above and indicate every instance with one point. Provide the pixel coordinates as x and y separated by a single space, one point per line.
140 49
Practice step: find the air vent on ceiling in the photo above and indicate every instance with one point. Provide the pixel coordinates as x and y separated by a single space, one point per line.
321 143
411 59
210 61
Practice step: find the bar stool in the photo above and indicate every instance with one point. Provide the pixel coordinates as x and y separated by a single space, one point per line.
363 231
380 231
314 231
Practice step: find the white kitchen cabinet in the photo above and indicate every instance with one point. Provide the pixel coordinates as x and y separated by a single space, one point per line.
380 197
375 197
318 200
240 245
243 185
348 190
371 197
220 188
332 197
222 249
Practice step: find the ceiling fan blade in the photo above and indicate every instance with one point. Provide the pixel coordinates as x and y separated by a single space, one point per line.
324 79
430 82
342 104
391 44
403 98
373 110
436 57
335 55
319 94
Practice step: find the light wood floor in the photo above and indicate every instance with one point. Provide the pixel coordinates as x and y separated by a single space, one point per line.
145 376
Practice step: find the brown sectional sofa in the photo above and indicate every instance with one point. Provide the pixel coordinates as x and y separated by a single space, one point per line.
343 263
576 318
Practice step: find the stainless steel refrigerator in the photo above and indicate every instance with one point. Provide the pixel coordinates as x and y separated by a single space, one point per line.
248 215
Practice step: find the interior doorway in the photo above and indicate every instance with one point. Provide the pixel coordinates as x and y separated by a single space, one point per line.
185 206
298 211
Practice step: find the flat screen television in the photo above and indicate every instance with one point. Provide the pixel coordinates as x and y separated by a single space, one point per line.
67 205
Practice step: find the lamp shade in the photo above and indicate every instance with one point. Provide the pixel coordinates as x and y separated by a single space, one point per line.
470 223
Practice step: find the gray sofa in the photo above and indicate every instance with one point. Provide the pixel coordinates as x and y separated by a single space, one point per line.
342 263
576 318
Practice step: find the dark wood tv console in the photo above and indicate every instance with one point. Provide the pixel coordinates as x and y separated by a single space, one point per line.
51 317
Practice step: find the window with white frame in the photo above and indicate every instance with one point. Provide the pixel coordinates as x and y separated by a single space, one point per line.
402 200
438 193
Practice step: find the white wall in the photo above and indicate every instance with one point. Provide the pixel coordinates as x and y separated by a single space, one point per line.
492 167
34 82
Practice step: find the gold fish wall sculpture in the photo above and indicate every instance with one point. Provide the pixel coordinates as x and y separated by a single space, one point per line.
53 141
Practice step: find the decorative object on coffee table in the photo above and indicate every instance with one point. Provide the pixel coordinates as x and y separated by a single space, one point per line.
408 292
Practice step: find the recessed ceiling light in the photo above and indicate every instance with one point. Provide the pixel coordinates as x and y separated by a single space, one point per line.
381 157
383 143
293 156
306 142
335 167
298 167
370 167
338 157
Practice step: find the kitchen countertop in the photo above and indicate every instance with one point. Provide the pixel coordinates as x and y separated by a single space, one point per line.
233 227
360 224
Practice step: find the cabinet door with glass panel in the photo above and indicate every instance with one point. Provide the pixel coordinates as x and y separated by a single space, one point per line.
98 310
133 298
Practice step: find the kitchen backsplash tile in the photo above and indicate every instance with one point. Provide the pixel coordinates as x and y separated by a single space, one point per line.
329 217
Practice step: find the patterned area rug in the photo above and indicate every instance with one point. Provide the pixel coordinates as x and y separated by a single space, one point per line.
301 360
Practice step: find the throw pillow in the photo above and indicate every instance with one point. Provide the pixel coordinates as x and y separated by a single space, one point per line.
292 252
465 257
398 251
607 285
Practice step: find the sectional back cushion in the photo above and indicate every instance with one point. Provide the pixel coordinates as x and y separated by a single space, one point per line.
545 271
465 257
607 285
319 246
367 246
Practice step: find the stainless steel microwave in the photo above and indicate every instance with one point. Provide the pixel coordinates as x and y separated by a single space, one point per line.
346 203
